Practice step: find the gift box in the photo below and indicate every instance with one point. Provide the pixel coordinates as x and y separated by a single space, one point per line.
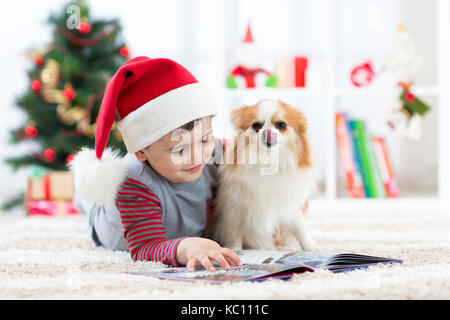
51 185
51 207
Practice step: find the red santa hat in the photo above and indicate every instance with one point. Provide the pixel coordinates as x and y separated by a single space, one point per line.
152 98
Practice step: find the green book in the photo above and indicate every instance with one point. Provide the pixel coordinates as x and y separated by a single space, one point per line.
374 170
358 138
372 178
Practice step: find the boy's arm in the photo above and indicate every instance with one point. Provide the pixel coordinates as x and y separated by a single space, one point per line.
140 212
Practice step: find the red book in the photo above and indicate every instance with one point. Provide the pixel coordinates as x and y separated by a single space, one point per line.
384 163
300 65
353 181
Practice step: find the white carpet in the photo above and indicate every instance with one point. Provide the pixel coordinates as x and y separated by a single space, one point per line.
53 258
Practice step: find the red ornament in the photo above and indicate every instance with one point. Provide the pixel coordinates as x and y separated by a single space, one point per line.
38 61
124 51
36 85
69 158
84 27
362 75
49 155
69 92
409 97
31 131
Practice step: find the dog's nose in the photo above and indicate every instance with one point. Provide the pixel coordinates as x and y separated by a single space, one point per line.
270 136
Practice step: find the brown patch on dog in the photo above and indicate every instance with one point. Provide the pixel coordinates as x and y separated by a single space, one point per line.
297 120
241 118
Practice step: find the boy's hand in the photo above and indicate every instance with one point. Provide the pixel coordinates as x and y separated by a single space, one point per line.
199 251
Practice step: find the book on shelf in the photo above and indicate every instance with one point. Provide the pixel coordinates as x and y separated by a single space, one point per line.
260 265
371 164
374 170
347 153
384 163
358 136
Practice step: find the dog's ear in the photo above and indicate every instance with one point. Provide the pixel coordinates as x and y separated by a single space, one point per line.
236 114
242 117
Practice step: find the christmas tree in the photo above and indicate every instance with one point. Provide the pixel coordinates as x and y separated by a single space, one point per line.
67 80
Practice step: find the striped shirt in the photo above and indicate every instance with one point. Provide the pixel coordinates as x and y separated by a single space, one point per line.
157 214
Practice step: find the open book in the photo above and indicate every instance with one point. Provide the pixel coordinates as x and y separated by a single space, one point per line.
259 265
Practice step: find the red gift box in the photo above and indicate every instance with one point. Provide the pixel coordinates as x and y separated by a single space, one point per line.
51 208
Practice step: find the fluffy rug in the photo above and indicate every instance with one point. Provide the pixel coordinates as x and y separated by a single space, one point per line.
53 258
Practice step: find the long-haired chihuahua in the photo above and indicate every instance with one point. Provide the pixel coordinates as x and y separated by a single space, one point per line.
265 181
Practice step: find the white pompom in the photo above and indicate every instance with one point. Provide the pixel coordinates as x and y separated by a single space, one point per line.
98 180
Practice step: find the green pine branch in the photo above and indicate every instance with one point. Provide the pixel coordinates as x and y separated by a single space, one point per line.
13 203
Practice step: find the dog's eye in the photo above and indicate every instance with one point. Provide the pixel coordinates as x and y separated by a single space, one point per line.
281 125
257 125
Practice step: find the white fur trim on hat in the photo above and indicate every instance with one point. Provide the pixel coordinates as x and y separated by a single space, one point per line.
98 180
164 114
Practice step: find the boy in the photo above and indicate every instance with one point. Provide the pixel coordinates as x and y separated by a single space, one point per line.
161 192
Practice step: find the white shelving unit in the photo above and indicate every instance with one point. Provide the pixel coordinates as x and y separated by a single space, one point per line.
329 199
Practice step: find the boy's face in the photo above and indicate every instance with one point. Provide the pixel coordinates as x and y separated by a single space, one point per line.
181 155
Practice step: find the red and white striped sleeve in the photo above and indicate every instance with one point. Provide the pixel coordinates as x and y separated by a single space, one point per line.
140 212
223 142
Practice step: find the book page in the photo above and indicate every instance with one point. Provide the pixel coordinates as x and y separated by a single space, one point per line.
309 259
236 273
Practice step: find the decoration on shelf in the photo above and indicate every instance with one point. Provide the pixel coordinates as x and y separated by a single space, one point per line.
300 66
299 71
248 65
362 75
405 116
283 71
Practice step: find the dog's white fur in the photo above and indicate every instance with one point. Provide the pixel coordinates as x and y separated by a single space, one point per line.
263 211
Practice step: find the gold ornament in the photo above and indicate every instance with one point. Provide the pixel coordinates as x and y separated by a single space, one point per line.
68 114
